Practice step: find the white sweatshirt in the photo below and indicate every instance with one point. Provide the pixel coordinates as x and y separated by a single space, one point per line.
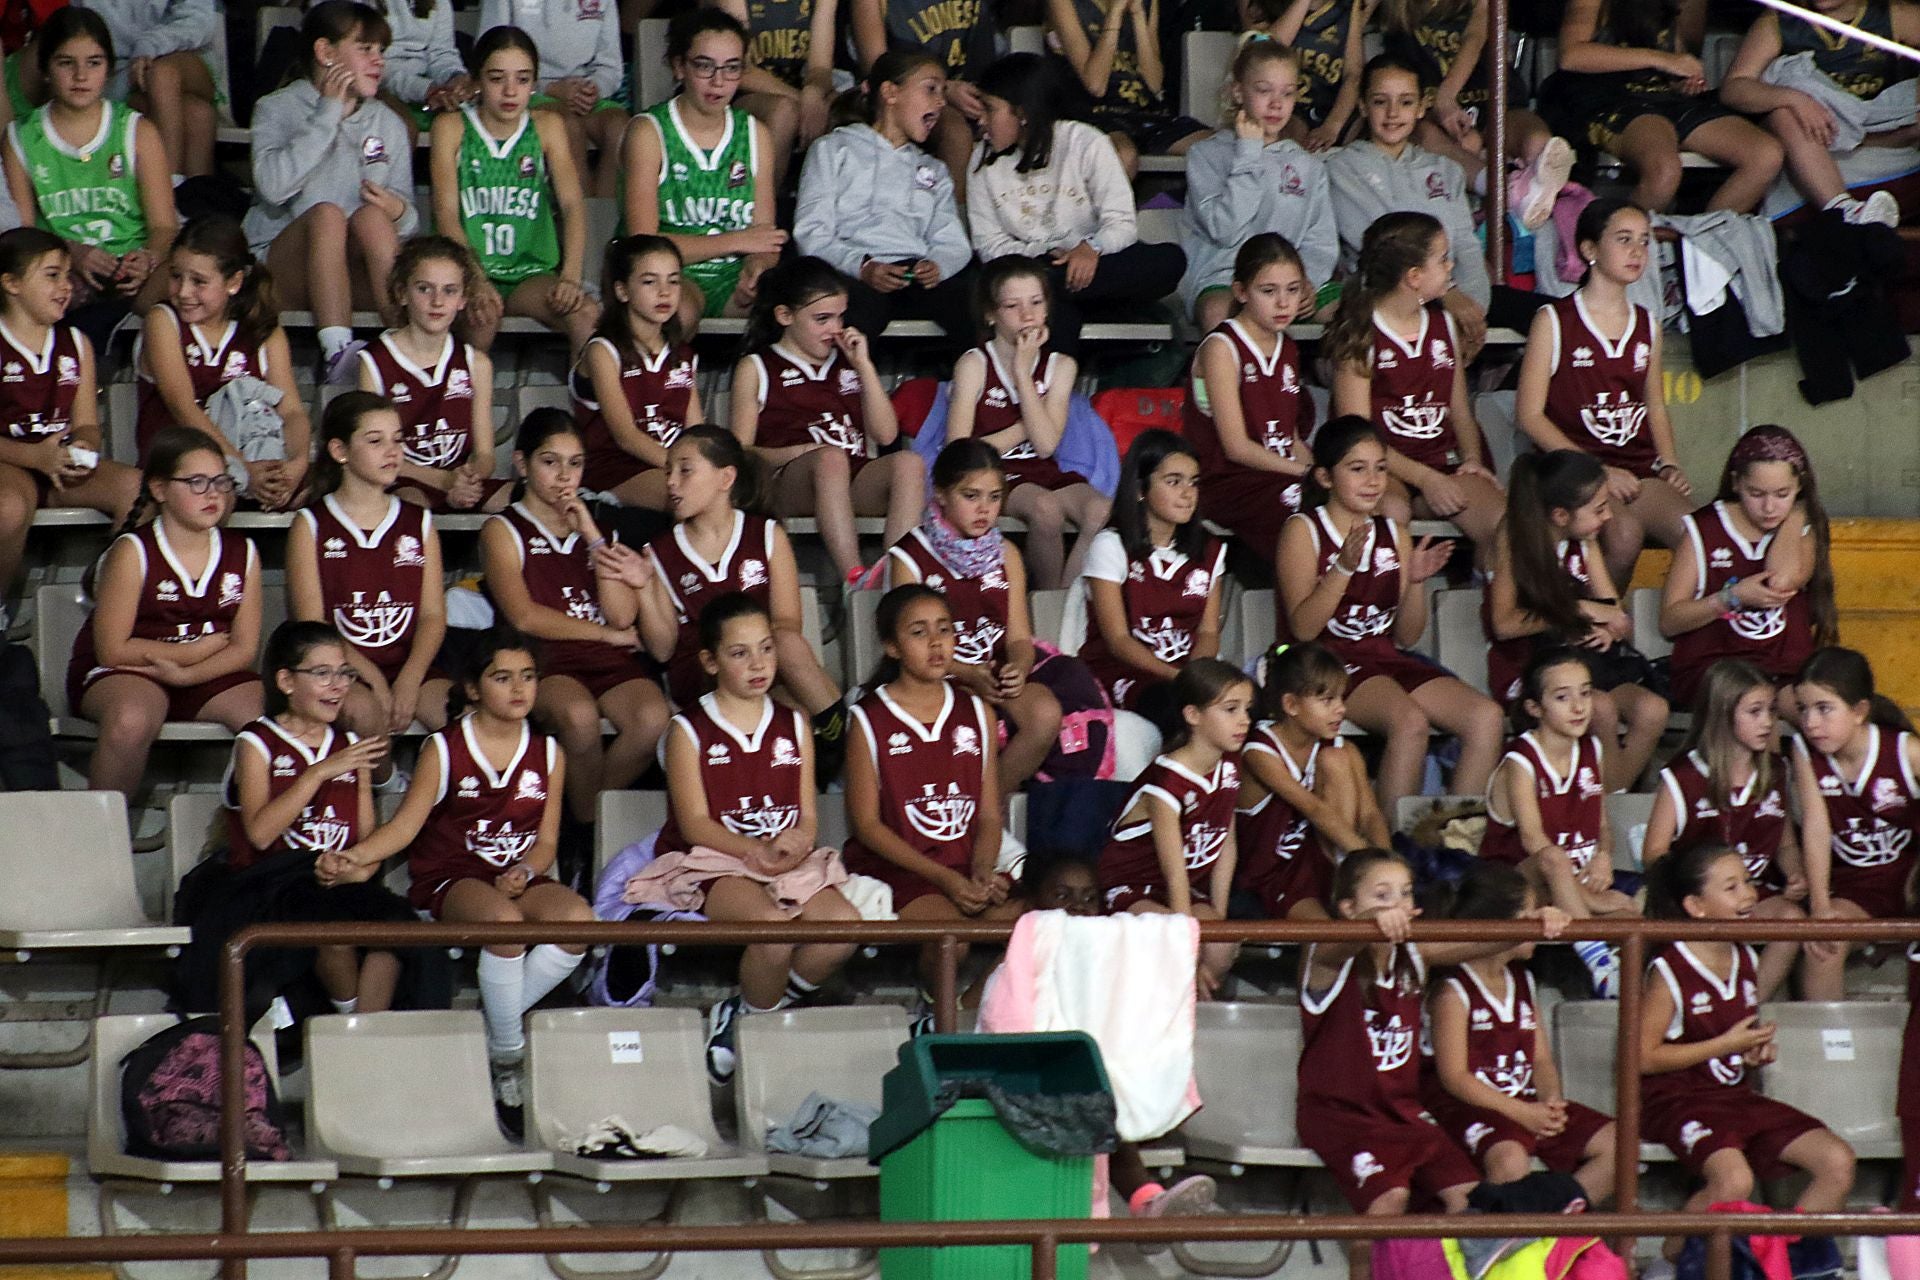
1081 194
575 37
156 28
423 53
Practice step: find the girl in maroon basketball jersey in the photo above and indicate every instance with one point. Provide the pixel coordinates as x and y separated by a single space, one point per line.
1350 579
441 387
1701 1035
176 619
1591 380
369 565
1397 362
552 575
809 403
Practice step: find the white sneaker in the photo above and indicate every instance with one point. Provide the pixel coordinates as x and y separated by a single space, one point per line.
1536 187
1658 1269
1878 207
1183 1199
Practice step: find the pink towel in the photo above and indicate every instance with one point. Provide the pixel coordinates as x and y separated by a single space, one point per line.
1566 217
681 879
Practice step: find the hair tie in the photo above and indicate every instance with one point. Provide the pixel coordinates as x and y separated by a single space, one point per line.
1768 443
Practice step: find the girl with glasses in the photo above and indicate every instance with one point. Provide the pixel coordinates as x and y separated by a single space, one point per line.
176 620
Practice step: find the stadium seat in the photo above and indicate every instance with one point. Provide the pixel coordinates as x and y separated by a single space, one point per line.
1027 39
652 81
1461 642
861 649
79 893
1249 627
1643 604
196 823
61 611
1840 1062
624 817
1584 1037
1627 814
1047 611
1205 59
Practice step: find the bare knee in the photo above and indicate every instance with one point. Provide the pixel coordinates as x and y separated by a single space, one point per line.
832 473
1408 721
1507 1162
1390 1203
1484 721
576 721
1038 710
132 721
18 502
1762 154
1731 1180
828 904
326 219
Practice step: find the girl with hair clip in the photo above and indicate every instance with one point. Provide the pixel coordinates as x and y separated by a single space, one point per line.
1359 1106
1328 39
716 548
1114 49
1048 188
169 74
808 401
1630 85
1730 786
699 171
502 173
1251 182
1398 361
220 323
49 401
1350 578
1305 800
1551 588
1753 577
635 386
741 840
553 575
298 788
1589 360
958 551
883 212
579 77
93 171
480 826
369 564
923 785
1494 1087
1865 760
333 178
1013 392
1173 847
1546 806
441 387
1248 412
958 41
1154 578
1700 1036
176 618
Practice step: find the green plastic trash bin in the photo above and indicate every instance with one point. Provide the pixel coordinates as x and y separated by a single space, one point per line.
963 1165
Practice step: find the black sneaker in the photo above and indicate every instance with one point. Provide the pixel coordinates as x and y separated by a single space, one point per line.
721 1021
509 1094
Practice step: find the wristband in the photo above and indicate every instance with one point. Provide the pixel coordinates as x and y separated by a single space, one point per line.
596 544
1729 601
1342 570
1660 464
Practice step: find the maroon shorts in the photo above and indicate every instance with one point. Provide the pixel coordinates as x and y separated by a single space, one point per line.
1883 901
1251 505
436 499
1698 1127
1121 896
1909 1198
1039 471
428 895
1407 670
1282 884
184 702
1479 1132
602 679
608 469
1369 1155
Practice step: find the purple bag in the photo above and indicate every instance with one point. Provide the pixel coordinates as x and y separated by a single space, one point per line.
170 1096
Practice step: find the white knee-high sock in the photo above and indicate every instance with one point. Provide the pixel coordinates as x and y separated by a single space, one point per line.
503 983
547 967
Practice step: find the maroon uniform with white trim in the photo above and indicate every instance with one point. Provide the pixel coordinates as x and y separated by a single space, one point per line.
1280 860
1907 1097
1507 659
692 583
371 580
435 405
1752 824
38 388
998 409
659 392
1874 816
1572 805
210 366
1360 633
1278 415
1713 1105
1129 865
1412 386
483 820
331 820
932 783
559 575
1778 641
979 605
1597 393
802 403
752 780
1165 596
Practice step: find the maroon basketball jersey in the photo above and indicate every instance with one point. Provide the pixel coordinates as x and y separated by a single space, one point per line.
371 580
1507 659
175 606
659 392
1165 596
38 388
435 405
1274 404
1572 805
483 820
752 780
803 403
210 366
1778 640
1597 394
559 575
1751 823
1413 388
1362 623
999 406
1278 859
1706 1004
692 583
979 604
1503 1025
1362 1037
331 820
1205 805
932 776
1874 816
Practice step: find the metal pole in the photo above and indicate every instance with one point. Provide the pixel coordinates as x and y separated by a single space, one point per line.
1496 140
233 1100
946 982
340 1265
1044 1258
1626 1084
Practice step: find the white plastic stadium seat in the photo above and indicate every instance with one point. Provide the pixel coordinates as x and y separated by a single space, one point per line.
1840 1062
1205 58
1461 642
1584 1036
79 890
624 817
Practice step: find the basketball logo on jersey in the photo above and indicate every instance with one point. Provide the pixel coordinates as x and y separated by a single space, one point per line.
400 393
498 846
283 766
1360 622
167 591
407 553
941 818
1613 423
836 430
373 151
321 832
1391 1044
849 382
1588 784
1169 643
69 371
1730 1070
232 588
737 174
1414 421
580 605
753 573
1202 845
899 744
976 644
1439 355
373 624
1583 357
436 444
1642 356
1290 183
333 549
236 366
1758 624
1512 1076
1199 583
530 787
459 385
785 753
526 166
966 741
680 377
1385 558
760 821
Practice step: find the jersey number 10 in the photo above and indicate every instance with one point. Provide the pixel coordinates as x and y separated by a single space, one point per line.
500 237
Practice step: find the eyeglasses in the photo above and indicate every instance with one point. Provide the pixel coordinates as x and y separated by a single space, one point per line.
204 484
708 69
328 675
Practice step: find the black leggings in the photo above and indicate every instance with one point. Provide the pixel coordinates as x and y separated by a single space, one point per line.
948 304
1139 275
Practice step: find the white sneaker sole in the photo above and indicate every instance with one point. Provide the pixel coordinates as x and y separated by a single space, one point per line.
1547 176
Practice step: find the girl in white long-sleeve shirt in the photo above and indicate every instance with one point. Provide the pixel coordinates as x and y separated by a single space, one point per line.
166 72
580 73
332 176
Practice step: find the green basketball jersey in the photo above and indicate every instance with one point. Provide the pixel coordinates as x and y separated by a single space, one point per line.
86 193
705 193
504 208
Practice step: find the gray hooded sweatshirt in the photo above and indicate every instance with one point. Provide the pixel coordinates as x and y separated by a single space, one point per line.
1238 188
862 197
308 151
423 53
1367 182
156 28
575 37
